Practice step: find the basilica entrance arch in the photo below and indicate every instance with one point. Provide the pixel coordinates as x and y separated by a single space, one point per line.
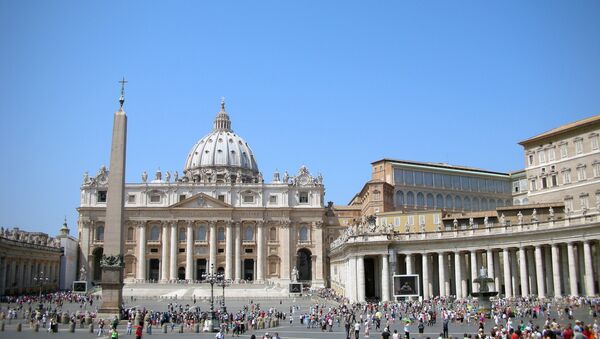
97 273
154 269
249 269
304 264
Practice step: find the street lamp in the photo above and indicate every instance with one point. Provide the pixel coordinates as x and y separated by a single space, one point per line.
223 283
212 278
40 279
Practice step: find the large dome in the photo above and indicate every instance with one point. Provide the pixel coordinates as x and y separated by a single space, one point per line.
221 155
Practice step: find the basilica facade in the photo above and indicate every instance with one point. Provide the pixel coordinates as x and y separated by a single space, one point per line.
219 212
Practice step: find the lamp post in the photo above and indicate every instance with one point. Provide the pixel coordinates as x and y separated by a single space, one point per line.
212 323
40 279
223 283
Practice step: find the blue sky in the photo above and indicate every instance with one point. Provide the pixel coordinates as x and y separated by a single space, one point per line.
333 85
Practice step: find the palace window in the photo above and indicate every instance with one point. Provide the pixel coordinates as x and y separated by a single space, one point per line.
130 234
131 198
583 201
596 168
303 197
272 199
101 196
273 234
396 221
542 157
567 176
181 197
530 158
221 197
563 150
568 204
303 234
182 234
533 185
554 181
248 198
551 154
421 220
544 183
410 220
154 198
581 173
221 234
594 141
578 146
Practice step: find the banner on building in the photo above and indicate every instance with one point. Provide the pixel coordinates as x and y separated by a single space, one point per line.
406 285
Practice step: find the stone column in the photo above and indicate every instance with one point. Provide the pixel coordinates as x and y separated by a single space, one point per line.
464 260
27 279
442 273
589 271
189 251
260 252
523 272
229 251
458 275
489 258
212 243
360 278
141 257
425 263
531 278
539 271
385 278
556 271
351 279
409 263
506 273
238 251
284 251
174 250
164 261
474 285
572 270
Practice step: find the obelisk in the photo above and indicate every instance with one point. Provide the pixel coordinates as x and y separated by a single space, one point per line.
112 260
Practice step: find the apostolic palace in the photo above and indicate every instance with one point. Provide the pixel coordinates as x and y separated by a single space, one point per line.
415 229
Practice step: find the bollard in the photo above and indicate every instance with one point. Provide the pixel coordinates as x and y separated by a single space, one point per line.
72 327
19 327
91 328
164 328
36 327
181 328
196 328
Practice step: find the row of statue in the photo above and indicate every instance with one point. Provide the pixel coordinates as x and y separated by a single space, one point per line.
29 237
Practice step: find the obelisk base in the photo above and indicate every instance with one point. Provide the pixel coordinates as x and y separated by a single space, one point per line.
112 292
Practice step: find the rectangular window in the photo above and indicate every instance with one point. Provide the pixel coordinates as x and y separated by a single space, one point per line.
155 198
581 173
182 250
436 219
567 177
554 181
221 197
530 157
563 151
248 199
594 142
428 178
569 204
131 198
181 197
421 220
544 183
596 167
101 196
398 176
515 185
397 221
303 197
542 157
551 154
438 180
272 199
418 178
411 220
578 146
532 187
408 178
583 201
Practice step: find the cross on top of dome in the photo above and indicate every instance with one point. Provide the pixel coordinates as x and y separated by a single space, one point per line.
222 121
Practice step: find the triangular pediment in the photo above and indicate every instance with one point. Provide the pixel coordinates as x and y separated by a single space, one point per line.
201 200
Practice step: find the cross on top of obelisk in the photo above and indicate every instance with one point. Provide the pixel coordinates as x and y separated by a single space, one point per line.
122 97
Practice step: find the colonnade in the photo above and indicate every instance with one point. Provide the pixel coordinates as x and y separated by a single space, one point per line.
544 269
18 273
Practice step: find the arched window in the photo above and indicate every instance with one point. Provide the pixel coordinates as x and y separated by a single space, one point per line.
500 203
507 203
273 234
303 234
410 199
439 201
467 203
182 234
100 233
221 234
420 199
201 233
457 203
399 199
430 202
492 204
449 202
475 204
484 204
154 233
525 201
249 233
130 234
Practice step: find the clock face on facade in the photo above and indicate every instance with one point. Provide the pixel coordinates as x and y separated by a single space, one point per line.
303 180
